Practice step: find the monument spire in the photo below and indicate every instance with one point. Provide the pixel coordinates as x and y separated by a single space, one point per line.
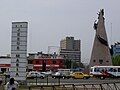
100 52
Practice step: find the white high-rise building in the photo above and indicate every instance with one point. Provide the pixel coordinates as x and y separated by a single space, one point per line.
19 50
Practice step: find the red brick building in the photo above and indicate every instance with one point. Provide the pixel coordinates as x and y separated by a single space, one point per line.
5 63
47 64
44 62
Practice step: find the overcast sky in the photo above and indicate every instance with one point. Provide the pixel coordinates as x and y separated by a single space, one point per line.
52 20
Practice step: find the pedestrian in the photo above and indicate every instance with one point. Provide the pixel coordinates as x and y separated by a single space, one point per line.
12 85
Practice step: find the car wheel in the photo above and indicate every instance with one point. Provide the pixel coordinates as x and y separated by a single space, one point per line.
63 77
86 77
73 77
102 77
54 77
68 77
42 77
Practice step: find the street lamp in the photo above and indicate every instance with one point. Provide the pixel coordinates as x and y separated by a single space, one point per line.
36 78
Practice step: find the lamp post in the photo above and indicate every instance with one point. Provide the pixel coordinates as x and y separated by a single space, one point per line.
36 78
58 80
47 79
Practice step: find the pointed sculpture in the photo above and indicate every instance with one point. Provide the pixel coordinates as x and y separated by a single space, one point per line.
100 52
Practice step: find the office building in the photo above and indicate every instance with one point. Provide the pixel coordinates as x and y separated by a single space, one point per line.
70 49
5 63
115 49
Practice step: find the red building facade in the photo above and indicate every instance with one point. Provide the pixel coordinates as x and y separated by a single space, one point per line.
44 62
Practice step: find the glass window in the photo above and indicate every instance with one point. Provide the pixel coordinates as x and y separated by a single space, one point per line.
95 70
61 61
29 61
17 55
93 60
18 43
37 62
18 34
111 70
18 30
54 62
17 60
17 47
91 70
17 74
17 64
18 39
114 70
16 69
118 69
80 73
3 70
100 61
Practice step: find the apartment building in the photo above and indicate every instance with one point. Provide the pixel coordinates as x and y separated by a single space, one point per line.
115 49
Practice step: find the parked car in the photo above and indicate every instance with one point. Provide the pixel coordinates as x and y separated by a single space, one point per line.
47 73
35 75
80 75
60 75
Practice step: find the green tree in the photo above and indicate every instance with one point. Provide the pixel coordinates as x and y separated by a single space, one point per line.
68 63
74 64
82 65
116 60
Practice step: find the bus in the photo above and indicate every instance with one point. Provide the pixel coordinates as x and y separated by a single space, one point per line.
105 71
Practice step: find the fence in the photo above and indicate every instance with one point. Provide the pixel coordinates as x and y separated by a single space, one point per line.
97 86
113 84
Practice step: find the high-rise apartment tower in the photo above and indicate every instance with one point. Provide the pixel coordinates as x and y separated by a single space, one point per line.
19 50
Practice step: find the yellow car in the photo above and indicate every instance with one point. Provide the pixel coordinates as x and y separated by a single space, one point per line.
80 75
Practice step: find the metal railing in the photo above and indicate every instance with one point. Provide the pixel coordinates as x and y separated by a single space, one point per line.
59 85
97 86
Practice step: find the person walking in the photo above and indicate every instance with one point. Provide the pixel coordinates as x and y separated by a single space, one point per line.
12 85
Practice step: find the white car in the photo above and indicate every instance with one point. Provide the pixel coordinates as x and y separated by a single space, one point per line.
35 75
48 73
